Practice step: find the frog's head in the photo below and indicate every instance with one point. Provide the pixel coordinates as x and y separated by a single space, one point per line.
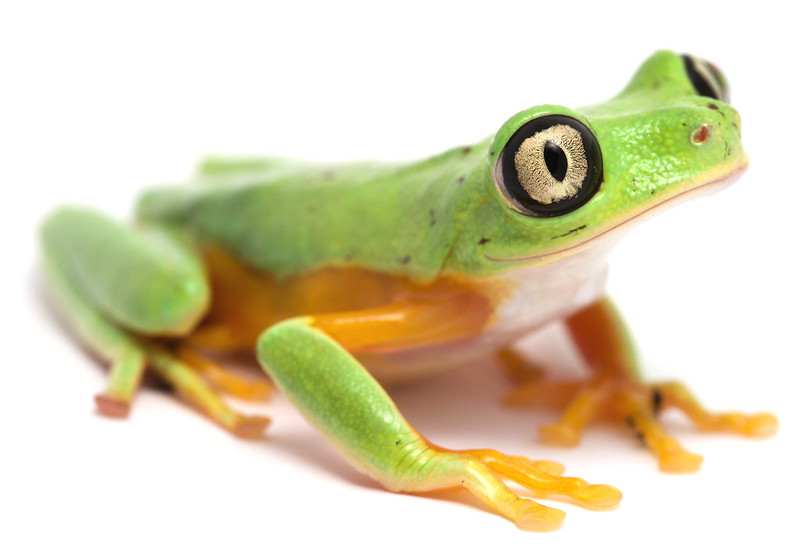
563 180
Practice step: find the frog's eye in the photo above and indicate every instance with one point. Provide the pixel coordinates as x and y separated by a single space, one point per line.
550 166
706 78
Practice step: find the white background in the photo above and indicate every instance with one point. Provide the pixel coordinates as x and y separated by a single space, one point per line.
98 100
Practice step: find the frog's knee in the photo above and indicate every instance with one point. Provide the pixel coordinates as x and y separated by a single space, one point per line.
148 281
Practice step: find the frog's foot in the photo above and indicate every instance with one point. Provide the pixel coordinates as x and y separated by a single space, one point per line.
638 405
115 287
339 397
179 371
189 385
224 380
675 394
124 378
481 472
518 368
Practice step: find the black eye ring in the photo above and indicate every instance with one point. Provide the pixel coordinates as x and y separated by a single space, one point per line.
706 78
550 166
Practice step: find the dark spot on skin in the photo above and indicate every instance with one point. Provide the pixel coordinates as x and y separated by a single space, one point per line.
713 106
460 180
727 150
466 149
684 124
432 214
491 153
483 241
573 231
653 191
160 385
397 442
630 422
657 400
405 260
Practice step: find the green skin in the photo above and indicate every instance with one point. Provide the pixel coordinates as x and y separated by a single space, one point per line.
643 133
440 216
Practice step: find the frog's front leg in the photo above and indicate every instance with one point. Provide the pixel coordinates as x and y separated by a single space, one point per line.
308 360
617 390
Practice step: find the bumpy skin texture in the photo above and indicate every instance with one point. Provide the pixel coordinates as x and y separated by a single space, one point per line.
409 263
443 215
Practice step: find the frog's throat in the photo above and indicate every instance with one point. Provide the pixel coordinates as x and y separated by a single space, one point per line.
708 186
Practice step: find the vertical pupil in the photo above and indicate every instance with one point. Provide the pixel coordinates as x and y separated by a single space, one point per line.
556 160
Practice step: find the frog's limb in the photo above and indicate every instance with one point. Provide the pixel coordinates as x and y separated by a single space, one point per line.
675 394
519 368
149 281
616 390
414 322
340 398
192 387
125 375
103 279
224 380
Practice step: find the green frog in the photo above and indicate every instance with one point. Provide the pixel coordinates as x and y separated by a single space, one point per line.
341 278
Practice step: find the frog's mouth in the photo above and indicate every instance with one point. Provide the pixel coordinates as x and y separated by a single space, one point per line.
691 191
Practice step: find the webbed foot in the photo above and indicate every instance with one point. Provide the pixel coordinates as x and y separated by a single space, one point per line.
637 405
191 386
616 391
481 471
182 374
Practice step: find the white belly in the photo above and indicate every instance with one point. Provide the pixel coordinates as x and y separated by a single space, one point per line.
540 295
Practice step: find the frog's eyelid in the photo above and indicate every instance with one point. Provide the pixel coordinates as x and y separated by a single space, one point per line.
705 77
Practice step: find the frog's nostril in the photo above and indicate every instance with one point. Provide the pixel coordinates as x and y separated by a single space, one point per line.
701 134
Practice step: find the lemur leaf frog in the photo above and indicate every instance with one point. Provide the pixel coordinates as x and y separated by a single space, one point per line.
342 277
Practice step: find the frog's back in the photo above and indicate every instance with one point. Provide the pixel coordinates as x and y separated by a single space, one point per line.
287 218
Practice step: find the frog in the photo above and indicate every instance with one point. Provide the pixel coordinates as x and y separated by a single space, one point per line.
341 279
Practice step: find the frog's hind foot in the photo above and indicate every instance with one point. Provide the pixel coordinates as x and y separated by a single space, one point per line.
124 379
225 380
518 368
183 377
191 386
119 290
130 355
638 406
